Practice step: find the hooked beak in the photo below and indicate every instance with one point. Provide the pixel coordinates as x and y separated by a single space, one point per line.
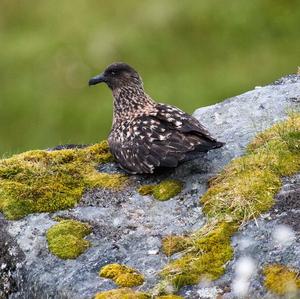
97 79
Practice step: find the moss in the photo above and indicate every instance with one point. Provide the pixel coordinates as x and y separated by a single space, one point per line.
124 293
172 244
47 181
169 297
242 191
281 280
122 275
210 249
65 239
163 191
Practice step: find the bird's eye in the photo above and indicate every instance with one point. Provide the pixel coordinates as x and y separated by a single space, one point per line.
113 73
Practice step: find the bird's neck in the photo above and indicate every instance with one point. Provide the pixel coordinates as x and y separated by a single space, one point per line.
131 101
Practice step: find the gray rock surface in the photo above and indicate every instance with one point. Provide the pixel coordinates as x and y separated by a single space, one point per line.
128 227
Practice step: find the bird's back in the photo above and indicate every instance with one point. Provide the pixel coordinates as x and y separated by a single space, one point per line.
161 137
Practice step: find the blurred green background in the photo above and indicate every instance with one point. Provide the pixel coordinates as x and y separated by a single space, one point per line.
189 53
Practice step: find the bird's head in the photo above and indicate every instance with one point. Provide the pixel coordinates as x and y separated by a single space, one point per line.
118 75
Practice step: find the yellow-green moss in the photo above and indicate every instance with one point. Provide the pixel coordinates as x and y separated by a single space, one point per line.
169 297
163 191
47 181
210 249
122 275
66 239
281 280
172 244
124 293
243 190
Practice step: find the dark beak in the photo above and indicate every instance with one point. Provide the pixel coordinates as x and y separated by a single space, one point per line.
97 79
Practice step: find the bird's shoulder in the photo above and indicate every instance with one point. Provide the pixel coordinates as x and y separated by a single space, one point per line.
181 121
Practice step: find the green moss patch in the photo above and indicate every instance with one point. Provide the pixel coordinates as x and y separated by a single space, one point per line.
169 297
124 293
47 181
209 250
66 239
242 191
122 275
281 280
162 191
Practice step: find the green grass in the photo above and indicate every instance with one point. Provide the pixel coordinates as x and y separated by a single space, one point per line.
190 53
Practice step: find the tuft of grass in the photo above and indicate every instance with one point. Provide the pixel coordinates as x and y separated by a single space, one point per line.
66 239
124 293
47 181
122 275
281 280
162 191
173 243
242 191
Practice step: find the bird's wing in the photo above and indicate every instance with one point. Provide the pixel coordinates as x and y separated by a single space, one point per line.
149 144
183 122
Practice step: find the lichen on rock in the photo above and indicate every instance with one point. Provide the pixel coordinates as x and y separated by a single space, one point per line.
281 280
162 191
66 239
122 275
47 181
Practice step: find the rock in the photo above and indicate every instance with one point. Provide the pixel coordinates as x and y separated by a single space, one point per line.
128 228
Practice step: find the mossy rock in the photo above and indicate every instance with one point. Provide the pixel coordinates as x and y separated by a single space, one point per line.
242 191
47 181
281 280
66 239
122 275
162 191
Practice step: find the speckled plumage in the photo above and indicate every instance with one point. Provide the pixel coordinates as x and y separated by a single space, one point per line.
147 135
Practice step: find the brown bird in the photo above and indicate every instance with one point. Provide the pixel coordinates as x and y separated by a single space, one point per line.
147 135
